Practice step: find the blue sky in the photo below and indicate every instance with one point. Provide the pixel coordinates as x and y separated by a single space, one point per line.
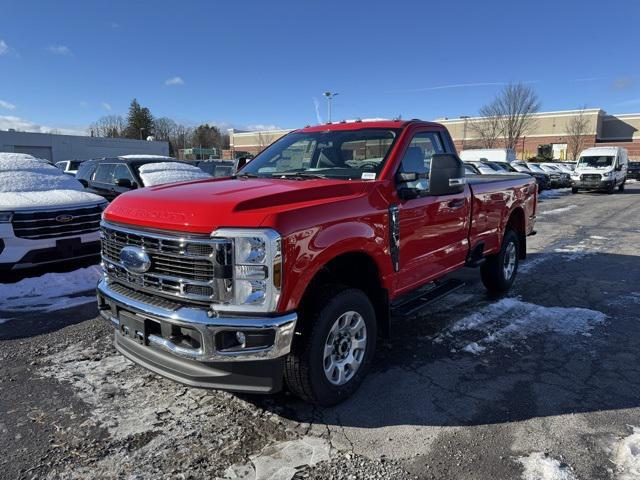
64 64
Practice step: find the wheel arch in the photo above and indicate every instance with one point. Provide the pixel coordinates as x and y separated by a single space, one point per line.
517 223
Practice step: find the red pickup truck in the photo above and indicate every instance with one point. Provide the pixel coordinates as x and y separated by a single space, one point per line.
288 271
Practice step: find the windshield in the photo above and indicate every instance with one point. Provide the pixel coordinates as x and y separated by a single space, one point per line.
518 167
535 168
346 154
548 168
601 161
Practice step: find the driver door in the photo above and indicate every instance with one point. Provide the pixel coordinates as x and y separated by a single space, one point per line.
433 229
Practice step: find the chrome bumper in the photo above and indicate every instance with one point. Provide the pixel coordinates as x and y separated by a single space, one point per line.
111 302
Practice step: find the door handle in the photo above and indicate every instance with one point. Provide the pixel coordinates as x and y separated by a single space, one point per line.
457 203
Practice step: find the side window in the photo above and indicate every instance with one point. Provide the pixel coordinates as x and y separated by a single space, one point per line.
104 173
417 158
123 172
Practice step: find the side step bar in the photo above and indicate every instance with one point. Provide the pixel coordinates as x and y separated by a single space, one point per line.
412 303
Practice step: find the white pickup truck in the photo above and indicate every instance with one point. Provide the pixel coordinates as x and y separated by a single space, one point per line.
45 215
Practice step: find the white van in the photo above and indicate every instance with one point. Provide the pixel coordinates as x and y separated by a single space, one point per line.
600 168
491 154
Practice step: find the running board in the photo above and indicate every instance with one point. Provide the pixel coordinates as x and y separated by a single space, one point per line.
412 303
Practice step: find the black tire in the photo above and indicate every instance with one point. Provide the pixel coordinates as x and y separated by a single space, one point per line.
621 186
611 188
574 190
493 272
304 367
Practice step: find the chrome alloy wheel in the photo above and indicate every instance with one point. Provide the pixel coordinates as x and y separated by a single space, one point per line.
344 348
510 259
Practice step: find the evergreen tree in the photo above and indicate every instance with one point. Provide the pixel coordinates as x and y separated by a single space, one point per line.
139 121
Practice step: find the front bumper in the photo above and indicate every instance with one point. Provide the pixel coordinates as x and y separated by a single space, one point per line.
593 185
186 344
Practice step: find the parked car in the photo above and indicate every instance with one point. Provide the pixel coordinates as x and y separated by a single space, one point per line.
490 154
565 178
217 167
542 179
555 177
109 177
633 170
288 271
600 168
485 168
69 167
45 215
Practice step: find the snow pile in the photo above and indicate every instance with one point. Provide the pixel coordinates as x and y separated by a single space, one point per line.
282 460
559 210
538 466
626 456
26 181
510 321
50 292
169 172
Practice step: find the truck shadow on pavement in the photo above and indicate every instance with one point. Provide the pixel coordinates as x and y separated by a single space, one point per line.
565 341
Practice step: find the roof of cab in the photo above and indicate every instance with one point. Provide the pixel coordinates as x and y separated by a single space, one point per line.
360 124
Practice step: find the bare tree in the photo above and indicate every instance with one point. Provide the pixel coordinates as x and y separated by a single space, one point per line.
489 127
509 116
109 126
516 104
164 128
577 128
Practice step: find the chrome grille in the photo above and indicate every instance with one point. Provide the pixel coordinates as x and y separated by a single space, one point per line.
591 177
192 269
56 223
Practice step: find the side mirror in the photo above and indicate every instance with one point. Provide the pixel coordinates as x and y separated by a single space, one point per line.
84 183
618 168
124 183
447 175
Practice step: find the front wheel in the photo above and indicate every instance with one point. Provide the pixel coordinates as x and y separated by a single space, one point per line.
621 186
499 271
332 355
574 190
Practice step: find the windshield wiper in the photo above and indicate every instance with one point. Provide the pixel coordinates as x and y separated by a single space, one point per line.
246 175
300 175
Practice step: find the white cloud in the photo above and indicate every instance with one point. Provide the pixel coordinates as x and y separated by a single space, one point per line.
106 106
262 126
60 50
7 105
4 48
174 81
23 125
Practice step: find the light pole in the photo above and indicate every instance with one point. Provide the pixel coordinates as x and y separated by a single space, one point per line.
464 131
329 96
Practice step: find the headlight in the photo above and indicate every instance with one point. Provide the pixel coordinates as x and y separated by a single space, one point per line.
606 174
5 217
257 269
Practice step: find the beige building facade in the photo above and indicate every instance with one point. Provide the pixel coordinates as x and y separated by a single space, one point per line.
549 131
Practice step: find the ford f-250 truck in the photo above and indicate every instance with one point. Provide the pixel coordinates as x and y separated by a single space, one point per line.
288 271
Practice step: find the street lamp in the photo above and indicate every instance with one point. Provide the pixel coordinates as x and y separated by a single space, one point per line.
464 131
329 96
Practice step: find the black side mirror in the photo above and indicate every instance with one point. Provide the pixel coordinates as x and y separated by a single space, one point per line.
124 183
618 168
84 183
447 175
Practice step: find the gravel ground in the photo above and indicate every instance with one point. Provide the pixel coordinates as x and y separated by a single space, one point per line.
542 385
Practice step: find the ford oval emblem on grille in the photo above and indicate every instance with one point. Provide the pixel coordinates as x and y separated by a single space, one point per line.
64 218
135 259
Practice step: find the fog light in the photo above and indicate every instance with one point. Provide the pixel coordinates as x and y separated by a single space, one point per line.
241 338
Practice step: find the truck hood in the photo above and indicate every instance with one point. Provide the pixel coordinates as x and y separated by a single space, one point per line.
203 206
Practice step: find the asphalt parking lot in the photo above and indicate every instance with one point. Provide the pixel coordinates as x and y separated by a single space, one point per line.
545 382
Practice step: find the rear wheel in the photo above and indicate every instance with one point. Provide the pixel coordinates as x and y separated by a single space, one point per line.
334 351
499 271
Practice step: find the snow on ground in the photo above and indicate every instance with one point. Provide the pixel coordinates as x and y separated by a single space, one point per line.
281 461
26 181
538 466
555 193
510 321
626 456
559 210
169 172
51 291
